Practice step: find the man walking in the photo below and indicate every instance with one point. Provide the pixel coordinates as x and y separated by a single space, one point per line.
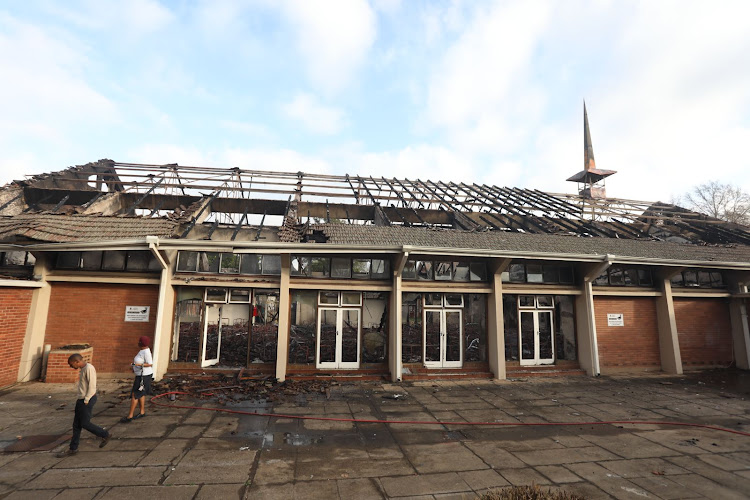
84 405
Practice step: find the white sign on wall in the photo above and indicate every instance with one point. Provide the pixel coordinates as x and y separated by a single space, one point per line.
137 313
616 319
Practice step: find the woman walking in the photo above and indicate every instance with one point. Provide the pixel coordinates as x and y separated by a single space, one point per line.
142 367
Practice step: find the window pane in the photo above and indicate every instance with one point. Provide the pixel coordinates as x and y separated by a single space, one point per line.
534 273
717 279
187 261
380 269
602 280
631 277
138 260
526 301
645 278
517 273
250 263
691 278
300 266
153 263
216 294
341 267
704 278
320 267
424 270
328 298
454 299
30 259
478 271
230 263
461 271
677 280
15 258
544 301
410 270
616 276
239 295
271 264
551 274
433 299
443 270
351 298
68 260
113 260
208 262
91 261
566 275
361 268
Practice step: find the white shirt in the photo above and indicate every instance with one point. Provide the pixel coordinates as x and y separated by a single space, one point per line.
143 356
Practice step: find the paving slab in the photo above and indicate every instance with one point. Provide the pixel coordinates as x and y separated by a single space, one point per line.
160 492
425 484
443 457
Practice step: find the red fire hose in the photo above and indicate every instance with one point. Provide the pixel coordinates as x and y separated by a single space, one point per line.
421 422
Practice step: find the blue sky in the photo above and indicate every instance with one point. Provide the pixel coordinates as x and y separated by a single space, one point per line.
486 92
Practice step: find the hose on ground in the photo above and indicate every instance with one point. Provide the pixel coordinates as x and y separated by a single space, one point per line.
423 422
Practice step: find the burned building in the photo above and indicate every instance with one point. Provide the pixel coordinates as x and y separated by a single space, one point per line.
295 274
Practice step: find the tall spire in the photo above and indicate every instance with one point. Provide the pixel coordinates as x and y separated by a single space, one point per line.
588 148
591 179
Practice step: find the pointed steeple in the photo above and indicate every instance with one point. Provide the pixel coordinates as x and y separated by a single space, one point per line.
590 179
588 148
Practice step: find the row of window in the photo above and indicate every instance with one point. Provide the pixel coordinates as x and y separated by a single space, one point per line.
340 267
228 263
625 276
137 261
700 279
16 259
559 274
440 270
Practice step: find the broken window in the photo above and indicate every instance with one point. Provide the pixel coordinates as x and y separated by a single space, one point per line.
272 264
341 267
475 327
208 262
303 329
265 327
443 271
187 261
410 270
380 268
230 263
251 263
15 258
300 266
91 261
361 268
188 325
114 260
68 260
411 328
320 267
461 271
374 327
424 270
138 260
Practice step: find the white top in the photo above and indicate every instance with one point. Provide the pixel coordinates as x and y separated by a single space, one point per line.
143 356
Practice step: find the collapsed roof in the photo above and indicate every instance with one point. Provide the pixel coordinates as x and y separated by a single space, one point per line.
221 204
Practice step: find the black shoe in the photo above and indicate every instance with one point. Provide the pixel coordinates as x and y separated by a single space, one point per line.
140 415
105 440
67 453
126 420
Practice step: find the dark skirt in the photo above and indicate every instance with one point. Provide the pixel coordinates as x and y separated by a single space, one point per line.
137 392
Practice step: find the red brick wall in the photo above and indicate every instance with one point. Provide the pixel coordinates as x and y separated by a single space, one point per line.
58 369
14 316
95 314
705 331
636 343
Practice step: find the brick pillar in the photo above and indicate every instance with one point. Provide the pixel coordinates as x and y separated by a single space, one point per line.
58 369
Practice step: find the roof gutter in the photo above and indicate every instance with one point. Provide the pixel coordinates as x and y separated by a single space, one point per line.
240 247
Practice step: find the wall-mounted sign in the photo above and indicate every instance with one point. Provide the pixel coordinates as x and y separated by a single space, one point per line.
137 313
616 319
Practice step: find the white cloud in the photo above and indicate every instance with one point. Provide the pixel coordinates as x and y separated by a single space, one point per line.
334 37
131 19
315 117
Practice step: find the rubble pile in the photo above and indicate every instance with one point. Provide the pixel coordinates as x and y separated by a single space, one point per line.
227 388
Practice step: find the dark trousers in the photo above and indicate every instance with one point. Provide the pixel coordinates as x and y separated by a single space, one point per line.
82 420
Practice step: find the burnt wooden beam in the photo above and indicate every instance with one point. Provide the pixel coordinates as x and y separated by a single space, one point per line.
7 203
132 208
239 225
60 204
260 228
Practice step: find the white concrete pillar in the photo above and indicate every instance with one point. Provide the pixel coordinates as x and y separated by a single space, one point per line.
282 349
164 315
30 366
496 322
669 342
395 346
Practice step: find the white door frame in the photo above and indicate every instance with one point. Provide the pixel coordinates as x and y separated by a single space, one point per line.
338 363
536 360
442 362
215 361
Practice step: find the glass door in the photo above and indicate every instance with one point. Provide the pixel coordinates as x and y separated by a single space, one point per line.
443 338
338 338
536 337
211 336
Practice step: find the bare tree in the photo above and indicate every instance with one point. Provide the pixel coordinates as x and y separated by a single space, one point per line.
723 201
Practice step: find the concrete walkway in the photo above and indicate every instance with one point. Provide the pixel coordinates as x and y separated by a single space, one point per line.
195 454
